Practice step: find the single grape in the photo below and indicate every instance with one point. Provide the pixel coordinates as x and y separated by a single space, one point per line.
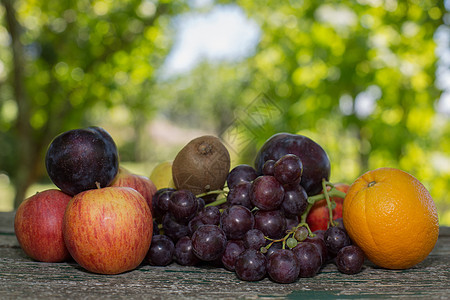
254 239
266 193
240 195
251 265
239 174
184 253
340 223
268 167
161 251
320 244
161 198
236 221
274 247
173 228
295 201
233 249
336 238
320 234
194 224
350 259
309 258
272 223
291 242
288 169
209 242
301 233
283 266
210 215
291 222
183 205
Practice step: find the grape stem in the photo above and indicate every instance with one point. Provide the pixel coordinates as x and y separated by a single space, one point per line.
333 192
215 192
218 201
290 233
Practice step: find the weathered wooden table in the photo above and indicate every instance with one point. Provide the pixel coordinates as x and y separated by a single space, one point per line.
21 277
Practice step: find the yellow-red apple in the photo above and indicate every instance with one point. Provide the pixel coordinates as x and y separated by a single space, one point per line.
38 226
318 217
108 230
140 183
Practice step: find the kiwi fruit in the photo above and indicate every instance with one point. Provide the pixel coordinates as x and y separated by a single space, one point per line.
202 165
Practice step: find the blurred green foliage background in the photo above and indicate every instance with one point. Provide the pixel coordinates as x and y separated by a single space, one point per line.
360 77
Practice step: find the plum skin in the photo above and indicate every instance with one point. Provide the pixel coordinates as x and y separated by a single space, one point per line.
82 159
316 164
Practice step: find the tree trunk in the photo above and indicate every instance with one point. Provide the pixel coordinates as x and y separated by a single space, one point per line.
22 126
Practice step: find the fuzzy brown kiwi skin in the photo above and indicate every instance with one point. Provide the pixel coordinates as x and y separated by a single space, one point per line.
202 165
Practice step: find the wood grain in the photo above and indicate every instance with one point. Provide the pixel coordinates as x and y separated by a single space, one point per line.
20 277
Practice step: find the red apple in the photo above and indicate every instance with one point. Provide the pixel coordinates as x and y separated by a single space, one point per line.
318 216
140 183
38 226
108 230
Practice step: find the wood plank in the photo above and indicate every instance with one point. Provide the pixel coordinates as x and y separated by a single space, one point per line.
20 277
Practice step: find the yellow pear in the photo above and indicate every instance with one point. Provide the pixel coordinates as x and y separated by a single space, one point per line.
161 175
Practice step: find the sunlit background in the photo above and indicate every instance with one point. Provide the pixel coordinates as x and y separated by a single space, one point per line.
369 80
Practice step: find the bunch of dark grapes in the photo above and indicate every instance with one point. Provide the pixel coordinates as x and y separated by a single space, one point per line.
256 232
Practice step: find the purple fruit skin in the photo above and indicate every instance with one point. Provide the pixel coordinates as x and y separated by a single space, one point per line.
316 164
79 159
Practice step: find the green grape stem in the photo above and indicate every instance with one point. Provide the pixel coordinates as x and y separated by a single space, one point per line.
290 233
215 192
218 201
333 192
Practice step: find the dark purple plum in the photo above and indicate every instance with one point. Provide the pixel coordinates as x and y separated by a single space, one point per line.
316 164
82 159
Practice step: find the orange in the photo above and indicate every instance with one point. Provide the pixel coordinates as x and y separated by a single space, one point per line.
392 217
